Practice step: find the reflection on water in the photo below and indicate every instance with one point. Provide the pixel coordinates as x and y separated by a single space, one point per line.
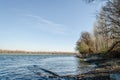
22 67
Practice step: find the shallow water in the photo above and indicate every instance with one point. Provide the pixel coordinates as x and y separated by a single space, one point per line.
28 67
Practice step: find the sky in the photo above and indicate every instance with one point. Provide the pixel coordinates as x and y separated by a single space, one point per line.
44 25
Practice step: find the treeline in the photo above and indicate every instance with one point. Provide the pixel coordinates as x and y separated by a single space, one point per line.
34 52
13 51
106 33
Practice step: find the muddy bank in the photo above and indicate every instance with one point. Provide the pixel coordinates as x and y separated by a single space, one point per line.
108 69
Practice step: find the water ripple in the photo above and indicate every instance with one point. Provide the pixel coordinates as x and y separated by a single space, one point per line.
38 67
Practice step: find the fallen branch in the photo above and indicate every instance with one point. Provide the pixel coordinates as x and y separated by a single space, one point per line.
112 47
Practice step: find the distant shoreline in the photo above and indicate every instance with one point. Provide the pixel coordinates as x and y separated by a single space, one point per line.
37 54
33 52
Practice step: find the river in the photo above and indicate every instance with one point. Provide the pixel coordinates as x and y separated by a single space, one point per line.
33 67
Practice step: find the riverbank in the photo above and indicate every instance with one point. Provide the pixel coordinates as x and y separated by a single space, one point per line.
107 67
104 70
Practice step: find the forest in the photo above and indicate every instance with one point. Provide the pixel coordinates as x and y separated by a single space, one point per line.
105 38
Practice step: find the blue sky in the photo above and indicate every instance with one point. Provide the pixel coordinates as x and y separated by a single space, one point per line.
44 25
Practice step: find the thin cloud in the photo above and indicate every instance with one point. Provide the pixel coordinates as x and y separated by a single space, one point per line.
48 25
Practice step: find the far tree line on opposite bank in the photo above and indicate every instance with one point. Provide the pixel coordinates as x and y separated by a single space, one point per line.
106 33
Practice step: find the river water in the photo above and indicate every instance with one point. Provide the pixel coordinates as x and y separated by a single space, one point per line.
28 67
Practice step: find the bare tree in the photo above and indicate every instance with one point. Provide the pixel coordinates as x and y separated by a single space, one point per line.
108 23
106 29
112 9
